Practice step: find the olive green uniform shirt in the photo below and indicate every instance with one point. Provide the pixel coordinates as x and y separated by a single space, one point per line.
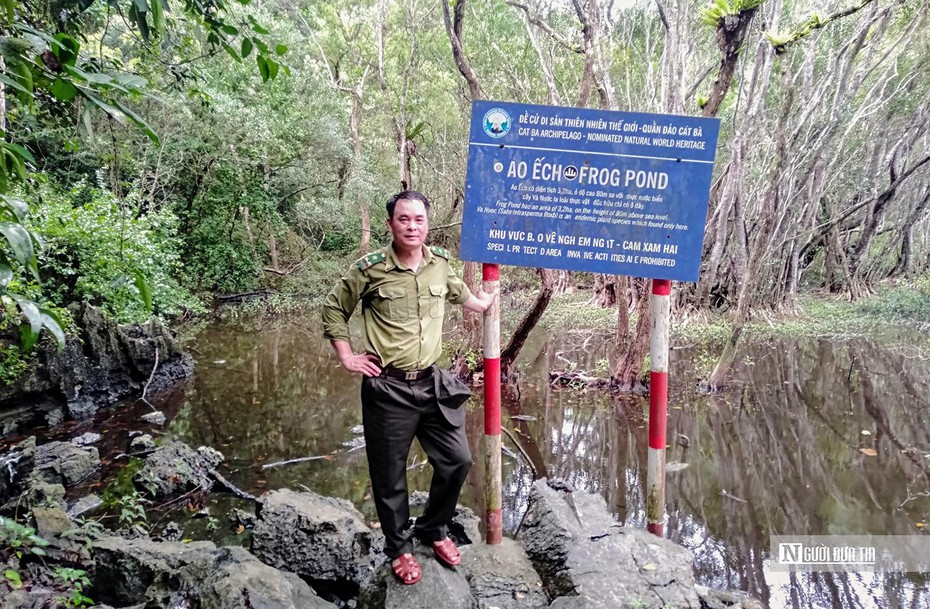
402 309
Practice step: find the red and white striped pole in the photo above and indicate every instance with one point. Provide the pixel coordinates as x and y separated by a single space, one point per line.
490 274
658 406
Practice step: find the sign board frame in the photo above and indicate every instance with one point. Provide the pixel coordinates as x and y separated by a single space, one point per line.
622 193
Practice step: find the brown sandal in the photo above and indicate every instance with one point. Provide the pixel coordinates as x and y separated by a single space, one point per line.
407 569
446 552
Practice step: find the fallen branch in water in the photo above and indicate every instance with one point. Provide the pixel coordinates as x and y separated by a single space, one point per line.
149 382
733 497
522 451
232 488
298 460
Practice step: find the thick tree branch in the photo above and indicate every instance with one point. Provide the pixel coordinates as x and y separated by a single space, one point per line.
826 227
544 26
815 21
454 30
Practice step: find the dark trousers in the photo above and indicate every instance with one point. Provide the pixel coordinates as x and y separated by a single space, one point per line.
395 411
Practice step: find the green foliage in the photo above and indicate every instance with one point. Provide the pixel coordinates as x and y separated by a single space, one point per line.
131 509
123 484
13 576
13 362
17 256
75 581
86 533
574 311
95 244
904 302
715 11
19 539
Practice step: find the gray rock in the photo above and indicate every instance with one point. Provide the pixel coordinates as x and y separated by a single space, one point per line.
27 599
38 492
141 443
168 574
726 599
319 538
15 467
86 439
579 550
84 504
156 417
242 518
50 524
502 576
64 463
172 532
51 521
439 586
99 365
176 467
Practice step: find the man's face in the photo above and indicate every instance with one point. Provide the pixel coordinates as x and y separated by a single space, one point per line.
409 224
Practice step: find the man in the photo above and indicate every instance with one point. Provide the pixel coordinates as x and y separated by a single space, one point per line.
403 289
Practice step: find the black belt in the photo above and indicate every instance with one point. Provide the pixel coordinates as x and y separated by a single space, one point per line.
407 375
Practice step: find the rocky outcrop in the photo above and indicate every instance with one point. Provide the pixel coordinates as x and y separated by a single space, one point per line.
103 362
15 467
31 476
308 549
580 551
726 599
198 574
175 467
322 539
502 576
65 463
438 587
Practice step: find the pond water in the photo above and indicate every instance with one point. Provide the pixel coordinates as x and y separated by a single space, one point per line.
814 436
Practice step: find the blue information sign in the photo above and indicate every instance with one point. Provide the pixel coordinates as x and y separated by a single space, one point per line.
623 193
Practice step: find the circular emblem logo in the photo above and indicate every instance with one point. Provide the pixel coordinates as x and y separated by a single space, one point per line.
571 172
496 122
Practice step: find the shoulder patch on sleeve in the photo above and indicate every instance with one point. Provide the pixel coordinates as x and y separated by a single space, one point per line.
439 251
370 260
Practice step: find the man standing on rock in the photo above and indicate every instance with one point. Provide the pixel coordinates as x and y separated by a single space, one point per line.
403 289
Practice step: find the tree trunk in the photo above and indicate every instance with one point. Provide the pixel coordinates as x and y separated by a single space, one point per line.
756 258
627 377
529 322
272 247
731 31
472 322
355 121
904 254
605 291
2 97
246 226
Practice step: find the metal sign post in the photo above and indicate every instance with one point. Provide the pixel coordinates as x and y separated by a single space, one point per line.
492 407
621 193
658 406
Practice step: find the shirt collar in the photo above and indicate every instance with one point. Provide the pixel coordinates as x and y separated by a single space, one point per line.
391 262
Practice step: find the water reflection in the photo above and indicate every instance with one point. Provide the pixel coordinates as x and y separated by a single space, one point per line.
788 450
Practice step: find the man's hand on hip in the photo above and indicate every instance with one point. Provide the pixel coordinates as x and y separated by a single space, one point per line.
363 363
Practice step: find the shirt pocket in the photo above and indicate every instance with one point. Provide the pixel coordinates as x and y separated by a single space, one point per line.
392 303
437 300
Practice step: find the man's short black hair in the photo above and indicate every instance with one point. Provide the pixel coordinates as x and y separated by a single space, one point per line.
408 195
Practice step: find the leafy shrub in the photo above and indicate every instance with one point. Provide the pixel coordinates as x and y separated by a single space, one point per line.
910 302
95 245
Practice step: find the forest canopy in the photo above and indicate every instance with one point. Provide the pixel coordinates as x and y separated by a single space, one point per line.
158 152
